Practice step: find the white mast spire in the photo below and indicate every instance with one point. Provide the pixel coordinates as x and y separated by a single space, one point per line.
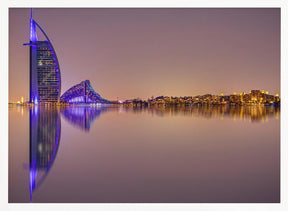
33 35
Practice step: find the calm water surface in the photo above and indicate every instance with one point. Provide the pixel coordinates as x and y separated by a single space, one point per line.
122 154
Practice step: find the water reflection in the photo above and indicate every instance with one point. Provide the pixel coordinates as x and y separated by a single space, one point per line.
252 113
45 127
82 116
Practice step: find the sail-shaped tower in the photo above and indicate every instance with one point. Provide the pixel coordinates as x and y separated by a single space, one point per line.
45 77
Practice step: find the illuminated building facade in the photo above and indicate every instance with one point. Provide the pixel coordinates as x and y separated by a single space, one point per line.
45 78
82 93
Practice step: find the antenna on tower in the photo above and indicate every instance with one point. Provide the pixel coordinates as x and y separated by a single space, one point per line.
31 13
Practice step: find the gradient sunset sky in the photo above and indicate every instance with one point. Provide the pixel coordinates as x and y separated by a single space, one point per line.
129 53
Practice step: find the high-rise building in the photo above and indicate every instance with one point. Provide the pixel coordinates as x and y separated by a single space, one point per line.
45 78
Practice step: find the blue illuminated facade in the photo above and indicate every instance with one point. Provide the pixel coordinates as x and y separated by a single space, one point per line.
45 78
82 93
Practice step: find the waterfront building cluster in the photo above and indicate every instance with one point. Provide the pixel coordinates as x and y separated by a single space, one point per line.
255 97
45 84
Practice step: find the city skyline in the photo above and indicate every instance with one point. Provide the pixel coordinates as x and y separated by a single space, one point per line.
173 52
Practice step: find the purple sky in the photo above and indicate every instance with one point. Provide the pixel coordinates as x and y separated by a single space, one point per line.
129 53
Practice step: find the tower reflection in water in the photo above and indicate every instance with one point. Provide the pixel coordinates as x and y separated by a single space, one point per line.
45 128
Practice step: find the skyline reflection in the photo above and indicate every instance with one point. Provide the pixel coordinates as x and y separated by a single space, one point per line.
83 117
251 113
45 126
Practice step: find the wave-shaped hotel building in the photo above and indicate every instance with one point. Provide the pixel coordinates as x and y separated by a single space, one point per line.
45 75
82 93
